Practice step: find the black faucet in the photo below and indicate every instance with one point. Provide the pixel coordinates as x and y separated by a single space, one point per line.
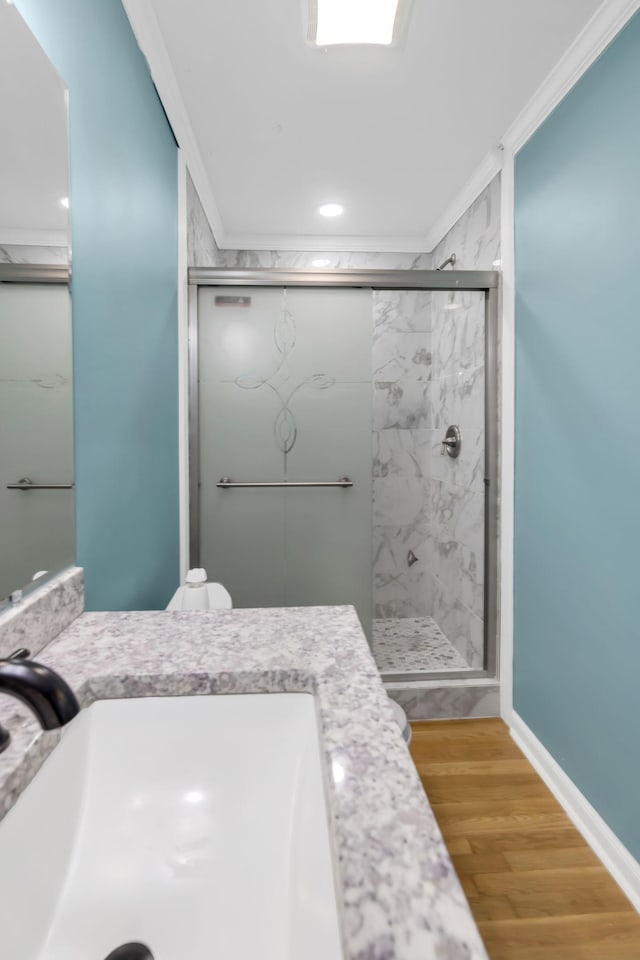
49 696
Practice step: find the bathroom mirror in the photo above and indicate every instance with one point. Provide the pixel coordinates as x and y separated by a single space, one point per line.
36 416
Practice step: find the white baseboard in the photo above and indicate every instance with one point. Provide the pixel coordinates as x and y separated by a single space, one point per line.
620 863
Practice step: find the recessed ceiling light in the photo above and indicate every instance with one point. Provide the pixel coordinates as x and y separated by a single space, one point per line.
320 263
64 202
194 796
330 209
351 21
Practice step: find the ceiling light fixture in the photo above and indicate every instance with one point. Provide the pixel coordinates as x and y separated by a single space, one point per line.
334 22
330 209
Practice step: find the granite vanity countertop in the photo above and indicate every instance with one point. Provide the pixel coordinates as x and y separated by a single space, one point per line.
399 894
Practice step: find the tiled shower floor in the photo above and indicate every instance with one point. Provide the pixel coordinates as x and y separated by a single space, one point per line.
413 645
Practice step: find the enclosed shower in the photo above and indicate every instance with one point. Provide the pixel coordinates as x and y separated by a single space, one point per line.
343 451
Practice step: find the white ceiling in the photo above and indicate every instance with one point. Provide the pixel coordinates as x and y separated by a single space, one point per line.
34 163
392 133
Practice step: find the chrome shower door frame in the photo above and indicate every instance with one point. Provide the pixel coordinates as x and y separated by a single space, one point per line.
486 282
34 273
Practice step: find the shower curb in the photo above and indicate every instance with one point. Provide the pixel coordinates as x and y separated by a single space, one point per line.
447 699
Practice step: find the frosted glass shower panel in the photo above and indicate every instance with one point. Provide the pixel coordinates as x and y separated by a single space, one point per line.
36 431
285 395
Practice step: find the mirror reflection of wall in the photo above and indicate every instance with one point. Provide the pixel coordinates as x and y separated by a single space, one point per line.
36 416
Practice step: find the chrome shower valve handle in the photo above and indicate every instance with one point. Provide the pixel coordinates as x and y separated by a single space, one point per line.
452 442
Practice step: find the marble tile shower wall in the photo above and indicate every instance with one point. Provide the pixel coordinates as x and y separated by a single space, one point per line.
22 253
457 396
402 367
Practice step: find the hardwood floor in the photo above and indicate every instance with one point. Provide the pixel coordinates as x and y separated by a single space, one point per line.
536 889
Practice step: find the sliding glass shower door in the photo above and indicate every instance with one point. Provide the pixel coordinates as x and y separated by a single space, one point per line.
284 398
343 450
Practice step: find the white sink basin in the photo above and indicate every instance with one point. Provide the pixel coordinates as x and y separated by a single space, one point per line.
196 825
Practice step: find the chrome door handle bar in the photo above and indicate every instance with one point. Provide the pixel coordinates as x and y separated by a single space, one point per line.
225 483
26 484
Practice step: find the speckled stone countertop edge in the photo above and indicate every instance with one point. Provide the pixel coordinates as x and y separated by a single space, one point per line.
398 893
42 613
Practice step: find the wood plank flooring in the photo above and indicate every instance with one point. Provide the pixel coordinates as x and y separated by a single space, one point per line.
536 889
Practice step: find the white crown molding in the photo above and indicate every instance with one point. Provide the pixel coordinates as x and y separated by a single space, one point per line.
10 236
318 244
620 863
482 176
594 38
148 34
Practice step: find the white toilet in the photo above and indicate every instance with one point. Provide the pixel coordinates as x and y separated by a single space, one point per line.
401 720
197 594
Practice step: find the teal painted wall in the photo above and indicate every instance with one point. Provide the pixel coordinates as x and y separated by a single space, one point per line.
124 209
577 493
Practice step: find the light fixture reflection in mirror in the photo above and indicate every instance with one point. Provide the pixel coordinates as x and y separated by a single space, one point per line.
331 210
36 418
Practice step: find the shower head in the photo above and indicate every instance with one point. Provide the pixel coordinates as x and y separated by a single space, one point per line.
445 263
